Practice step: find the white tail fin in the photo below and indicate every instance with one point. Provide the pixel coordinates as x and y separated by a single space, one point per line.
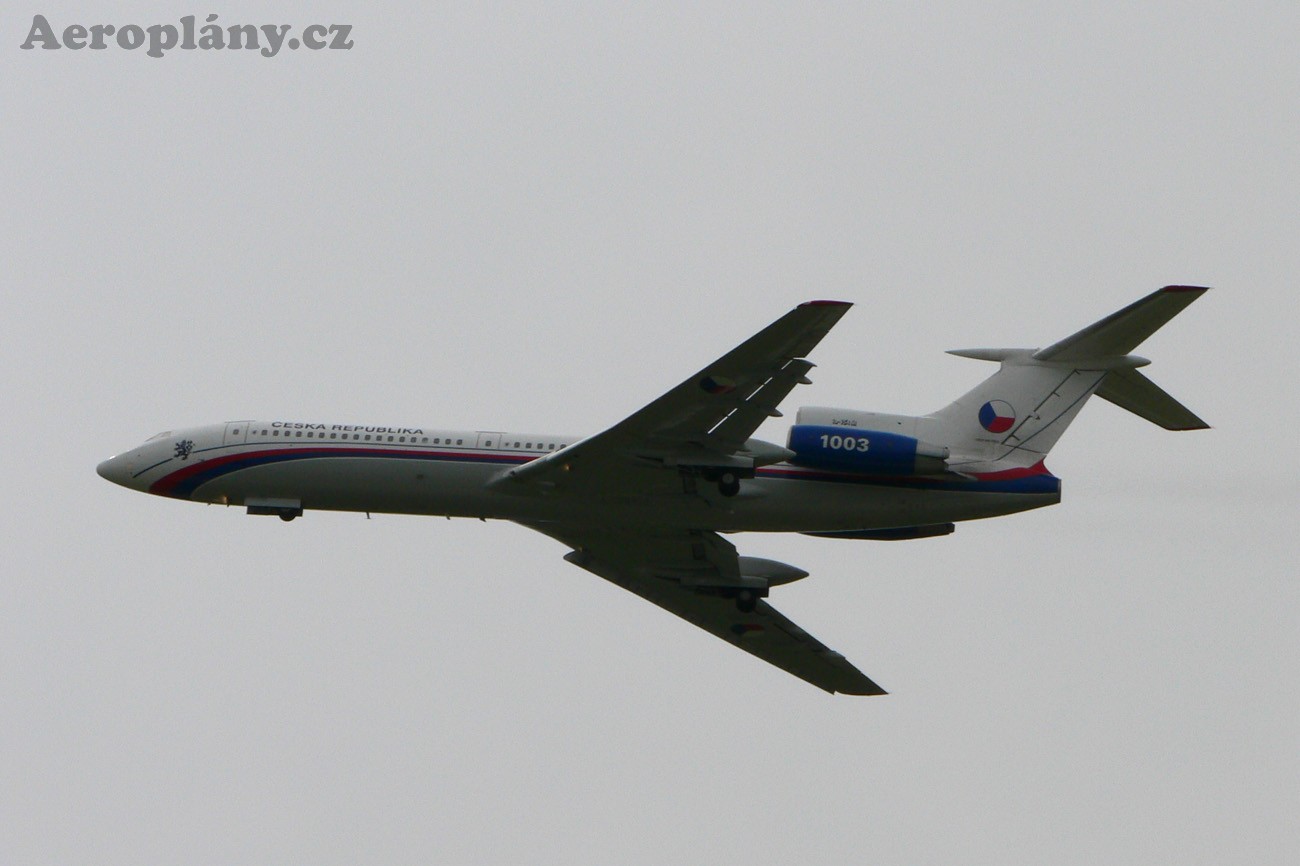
1013 418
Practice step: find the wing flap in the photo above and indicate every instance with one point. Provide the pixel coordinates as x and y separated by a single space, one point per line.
698 404
714 411
731 432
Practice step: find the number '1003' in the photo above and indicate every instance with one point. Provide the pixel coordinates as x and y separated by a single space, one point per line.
845 443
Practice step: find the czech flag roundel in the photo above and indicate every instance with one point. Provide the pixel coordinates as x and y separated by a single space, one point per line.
718 384
997 416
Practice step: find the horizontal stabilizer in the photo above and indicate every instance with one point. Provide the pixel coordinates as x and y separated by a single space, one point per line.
1121 332
1129 389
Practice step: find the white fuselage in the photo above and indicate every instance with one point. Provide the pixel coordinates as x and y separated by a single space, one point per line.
420 470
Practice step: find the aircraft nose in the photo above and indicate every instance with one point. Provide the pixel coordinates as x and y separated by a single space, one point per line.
115 469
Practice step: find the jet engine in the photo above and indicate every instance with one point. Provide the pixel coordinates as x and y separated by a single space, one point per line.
875 452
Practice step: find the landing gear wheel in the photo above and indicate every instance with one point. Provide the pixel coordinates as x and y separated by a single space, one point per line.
746 600
728 484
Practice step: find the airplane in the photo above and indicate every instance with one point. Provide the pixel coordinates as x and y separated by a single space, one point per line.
645 503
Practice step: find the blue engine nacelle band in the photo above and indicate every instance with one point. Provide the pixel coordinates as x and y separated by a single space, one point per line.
853 450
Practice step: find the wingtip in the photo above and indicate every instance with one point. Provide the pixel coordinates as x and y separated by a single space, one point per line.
874 691
858 684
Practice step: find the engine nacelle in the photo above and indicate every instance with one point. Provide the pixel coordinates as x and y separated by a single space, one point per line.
769 571
756 574
871 451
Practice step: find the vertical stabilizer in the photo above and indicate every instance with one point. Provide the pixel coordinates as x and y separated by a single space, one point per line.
1013 418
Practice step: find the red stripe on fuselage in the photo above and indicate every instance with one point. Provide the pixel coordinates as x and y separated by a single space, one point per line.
1039 468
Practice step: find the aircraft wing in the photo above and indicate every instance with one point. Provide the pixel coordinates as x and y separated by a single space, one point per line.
703 421
686 572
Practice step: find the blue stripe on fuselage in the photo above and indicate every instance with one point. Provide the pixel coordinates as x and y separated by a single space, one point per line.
183 482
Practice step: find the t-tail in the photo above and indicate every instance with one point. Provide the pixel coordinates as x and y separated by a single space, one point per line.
1010 421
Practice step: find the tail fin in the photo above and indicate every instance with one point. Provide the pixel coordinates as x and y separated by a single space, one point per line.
1013 418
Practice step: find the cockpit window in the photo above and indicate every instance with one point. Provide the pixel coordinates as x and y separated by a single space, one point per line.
163 435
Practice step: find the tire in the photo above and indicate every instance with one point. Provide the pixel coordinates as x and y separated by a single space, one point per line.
728 484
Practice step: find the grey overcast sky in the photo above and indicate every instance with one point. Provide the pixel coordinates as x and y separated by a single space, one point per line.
541 216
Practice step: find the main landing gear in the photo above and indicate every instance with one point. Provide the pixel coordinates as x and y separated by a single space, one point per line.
746 600
729 485
728 480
